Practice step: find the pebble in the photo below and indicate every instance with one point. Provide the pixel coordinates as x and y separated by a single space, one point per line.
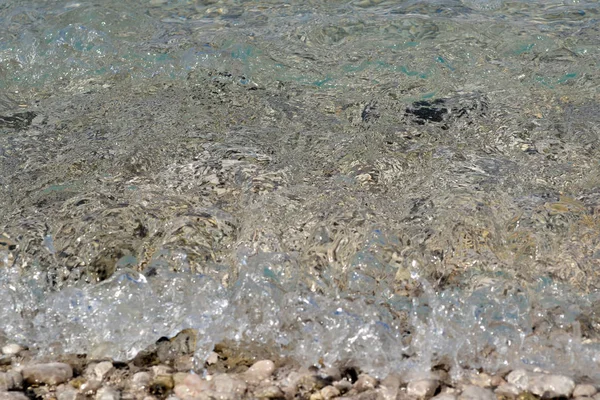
49 374
481 379
343 385
161 370
12 349
102 368
331 374
179 377
228 384
269 392
141 379
497 381
316 396
10 380
66 392
13 396
212 358
90 386
107 393
584 390
508 390
389 387
191 387
183 363
259 371
161 385
444 396
542 385
423 388
364 383
472 392
329 392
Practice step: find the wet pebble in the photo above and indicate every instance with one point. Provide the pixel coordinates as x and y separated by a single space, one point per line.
269 392
161 370
507 390
422 388
472 392
330 374
259 371
543 385
102 368
212 358
302 381
141 379
481 379
161 385
12 349
179 377
444 396
10 380
329 392
49 374
364 383
584 390
343 386
90 387
66 392
389 387
183 363
228 384
107 393
191 387
13 396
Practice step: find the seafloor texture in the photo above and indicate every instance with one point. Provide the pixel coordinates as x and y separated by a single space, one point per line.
387 187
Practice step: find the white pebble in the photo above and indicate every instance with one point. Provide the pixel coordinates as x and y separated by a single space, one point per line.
228 384
140 380
389 387
212 358
103 368
423 388
259 371
12 349
584 390
476 393
107 393
508 390
543 385
161 370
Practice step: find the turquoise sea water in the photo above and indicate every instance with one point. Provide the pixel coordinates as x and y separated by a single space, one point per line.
390 184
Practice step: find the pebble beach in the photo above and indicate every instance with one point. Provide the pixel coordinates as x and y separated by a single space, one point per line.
76 377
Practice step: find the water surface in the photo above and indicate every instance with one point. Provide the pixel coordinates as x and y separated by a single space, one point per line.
388 184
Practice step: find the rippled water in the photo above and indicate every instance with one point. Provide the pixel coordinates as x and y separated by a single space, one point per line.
388 184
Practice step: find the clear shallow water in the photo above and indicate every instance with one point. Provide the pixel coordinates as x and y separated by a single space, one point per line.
393 185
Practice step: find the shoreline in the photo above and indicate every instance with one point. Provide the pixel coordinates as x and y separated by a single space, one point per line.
226 375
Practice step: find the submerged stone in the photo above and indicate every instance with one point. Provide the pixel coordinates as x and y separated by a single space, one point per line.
48 374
